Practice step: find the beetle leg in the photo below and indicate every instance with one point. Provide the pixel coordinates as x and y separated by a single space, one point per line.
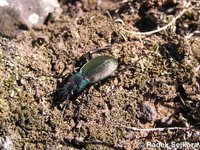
64 107
77 111
101 49
63 111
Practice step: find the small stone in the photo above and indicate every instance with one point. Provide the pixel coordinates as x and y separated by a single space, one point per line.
4 3
9 22
6 143
148 112
29 13
196 48
12 93
166 121
21 82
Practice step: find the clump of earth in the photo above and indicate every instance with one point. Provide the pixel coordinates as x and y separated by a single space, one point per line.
156 85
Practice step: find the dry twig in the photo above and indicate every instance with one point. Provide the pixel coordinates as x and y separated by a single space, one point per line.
162 28
153 129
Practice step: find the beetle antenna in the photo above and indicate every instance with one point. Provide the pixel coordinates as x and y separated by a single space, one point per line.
101 49
94 50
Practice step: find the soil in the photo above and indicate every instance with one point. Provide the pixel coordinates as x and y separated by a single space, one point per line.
156 85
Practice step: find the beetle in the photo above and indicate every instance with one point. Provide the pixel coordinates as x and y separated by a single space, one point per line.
93 71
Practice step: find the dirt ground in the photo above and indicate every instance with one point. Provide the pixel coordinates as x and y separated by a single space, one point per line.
156 85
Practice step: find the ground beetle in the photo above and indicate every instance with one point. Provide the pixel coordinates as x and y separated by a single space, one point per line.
93 71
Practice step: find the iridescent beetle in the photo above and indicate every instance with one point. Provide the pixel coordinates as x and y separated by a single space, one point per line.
95 70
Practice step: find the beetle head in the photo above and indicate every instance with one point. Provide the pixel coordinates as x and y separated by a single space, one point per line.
71 88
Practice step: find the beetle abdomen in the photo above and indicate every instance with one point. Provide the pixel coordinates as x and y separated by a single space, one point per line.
99 68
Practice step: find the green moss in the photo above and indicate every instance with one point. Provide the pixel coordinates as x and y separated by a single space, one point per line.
4 107
4 113
1 57
9 82
27 122
122 134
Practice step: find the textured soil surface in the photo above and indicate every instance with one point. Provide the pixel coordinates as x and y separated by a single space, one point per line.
156 85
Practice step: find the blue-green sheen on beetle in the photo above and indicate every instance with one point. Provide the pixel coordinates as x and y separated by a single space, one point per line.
93 71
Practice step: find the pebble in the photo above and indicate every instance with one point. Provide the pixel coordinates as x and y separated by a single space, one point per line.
166 121
6 143
196 48
148 112
18 14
